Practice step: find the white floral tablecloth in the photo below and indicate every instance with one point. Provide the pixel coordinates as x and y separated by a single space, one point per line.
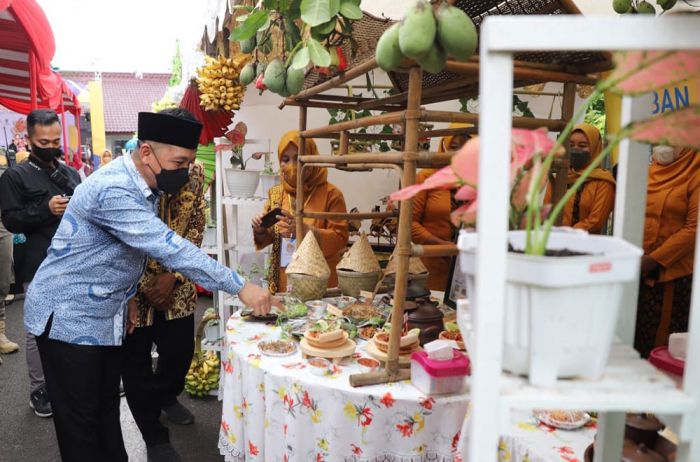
274 410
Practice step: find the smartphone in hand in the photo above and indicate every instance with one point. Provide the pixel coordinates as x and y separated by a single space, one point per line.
270 218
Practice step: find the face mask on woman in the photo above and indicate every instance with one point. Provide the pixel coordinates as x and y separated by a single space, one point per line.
578 158
664 155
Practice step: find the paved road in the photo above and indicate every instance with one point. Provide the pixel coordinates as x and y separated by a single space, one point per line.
26 437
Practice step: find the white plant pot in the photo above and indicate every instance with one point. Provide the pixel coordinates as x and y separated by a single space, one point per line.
211 333
267 182
561 312
242 183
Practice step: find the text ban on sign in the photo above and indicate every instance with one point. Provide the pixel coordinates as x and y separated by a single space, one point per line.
600 267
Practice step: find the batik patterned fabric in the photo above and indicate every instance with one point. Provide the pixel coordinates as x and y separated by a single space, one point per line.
184 214
98 255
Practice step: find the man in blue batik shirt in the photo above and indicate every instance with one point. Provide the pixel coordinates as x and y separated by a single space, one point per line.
77 302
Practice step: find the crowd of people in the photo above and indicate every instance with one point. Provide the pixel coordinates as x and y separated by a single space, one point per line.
109 260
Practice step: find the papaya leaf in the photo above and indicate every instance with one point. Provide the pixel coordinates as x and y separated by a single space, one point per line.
294 11
638 72
250 26
677 128
350 10
318 54
301 58
315 12
334 7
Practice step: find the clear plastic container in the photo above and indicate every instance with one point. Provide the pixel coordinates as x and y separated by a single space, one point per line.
434 377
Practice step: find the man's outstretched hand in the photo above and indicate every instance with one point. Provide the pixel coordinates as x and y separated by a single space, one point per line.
259 299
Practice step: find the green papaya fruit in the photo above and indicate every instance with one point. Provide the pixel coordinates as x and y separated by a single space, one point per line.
275 76
247 74
417 31
645 8
666 4
434 60
456 32
622 6
295 80
248 45
388 52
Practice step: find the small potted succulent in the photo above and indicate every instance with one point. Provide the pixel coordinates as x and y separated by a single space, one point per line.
241 182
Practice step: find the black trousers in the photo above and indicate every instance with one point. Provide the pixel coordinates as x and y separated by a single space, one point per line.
83 383
148 392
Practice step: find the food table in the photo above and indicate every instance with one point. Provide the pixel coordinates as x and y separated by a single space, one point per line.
274 409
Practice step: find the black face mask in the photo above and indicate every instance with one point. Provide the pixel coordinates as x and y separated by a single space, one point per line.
46 154
171 181
579 159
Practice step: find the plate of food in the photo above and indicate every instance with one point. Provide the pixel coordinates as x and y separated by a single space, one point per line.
367 332
277 347
362 313
563 420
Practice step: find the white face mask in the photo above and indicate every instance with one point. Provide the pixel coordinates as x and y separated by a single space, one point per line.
664 155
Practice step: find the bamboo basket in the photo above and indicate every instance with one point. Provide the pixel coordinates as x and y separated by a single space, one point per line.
352 283
305 287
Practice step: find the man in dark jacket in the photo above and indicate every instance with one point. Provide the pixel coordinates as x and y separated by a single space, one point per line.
33 197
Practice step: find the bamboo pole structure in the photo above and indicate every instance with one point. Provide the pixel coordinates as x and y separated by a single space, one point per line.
425 157
524 73
380 119
344 143
338 80
467 117
437 250
299 207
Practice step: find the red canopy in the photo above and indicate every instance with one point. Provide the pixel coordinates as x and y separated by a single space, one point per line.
26 49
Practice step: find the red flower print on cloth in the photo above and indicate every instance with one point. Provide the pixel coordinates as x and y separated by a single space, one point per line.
294 366
387 400
365 417
227 366
406 429
455 441
224 426
288 402
285 428
356 450
286 457
319 457
546 428
306 400
253 449
427 403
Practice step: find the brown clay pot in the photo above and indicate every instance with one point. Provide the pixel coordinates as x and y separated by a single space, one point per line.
428 318
643 428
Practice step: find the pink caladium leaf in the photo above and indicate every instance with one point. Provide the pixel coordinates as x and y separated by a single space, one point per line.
237 138
465 215
466 162
444 178
677 128
242 128
643 71
257 155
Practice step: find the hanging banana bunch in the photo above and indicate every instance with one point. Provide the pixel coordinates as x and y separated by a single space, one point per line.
218 83
204 372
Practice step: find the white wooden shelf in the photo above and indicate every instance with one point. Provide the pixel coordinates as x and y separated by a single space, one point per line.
206 346
629 384
235 200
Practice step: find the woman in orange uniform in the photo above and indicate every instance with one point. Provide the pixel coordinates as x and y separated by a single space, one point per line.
319 196
589 209
669 246
431 217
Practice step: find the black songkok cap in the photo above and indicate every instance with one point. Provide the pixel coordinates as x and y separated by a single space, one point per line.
167 129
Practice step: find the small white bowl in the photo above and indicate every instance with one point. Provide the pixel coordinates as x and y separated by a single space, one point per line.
345 301
318 366
370 365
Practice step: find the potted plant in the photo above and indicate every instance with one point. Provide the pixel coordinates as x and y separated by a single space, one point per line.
211 327
564 289
241 182
268 177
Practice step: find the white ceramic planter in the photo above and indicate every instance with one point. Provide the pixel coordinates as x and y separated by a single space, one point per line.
267 182
242 183
211 333
561 312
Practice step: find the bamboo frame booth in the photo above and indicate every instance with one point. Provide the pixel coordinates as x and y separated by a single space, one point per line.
405 108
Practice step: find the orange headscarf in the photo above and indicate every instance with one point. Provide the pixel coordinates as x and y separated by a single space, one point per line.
595 143
313 176
446 141
677 172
